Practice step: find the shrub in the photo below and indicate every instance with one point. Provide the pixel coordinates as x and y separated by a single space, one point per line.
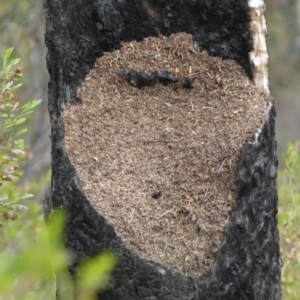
31 254
289 221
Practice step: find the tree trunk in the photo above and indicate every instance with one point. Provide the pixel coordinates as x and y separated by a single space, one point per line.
243 259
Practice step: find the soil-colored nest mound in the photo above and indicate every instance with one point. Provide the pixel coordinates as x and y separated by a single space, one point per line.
160 161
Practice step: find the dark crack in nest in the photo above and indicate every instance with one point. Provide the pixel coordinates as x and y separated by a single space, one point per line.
159 162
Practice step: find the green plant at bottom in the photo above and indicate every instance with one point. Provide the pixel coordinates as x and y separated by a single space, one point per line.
289 222
32 255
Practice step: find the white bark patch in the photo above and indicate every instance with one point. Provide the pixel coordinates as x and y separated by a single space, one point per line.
258 54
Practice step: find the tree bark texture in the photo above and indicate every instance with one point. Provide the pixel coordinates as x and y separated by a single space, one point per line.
247 265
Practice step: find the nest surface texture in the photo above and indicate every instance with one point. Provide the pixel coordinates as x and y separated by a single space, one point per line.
156 141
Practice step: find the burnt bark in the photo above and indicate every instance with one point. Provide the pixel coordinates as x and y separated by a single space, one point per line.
247 264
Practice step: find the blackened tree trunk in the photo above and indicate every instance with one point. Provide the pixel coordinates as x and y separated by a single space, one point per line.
247 264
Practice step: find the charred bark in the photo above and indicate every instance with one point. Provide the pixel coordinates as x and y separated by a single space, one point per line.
247 264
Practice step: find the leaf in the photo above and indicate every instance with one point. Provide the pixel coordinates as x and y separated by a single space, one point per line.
30 105
15 61
20 132
7 55
3 199
25 196
7 86
11 123
294 158
20 207
16 86
12 175
94 273
15 106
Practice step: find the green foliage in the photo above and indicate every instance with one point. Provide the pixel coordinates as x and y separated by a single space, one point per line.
30 257
31 254
12 149
23 25
289 221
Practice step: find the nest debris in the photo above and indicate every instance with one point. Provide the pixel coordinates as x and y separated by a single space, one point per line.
159 161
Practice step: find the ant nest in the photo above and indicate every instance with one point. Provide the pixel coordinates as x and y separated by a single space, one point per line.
156 141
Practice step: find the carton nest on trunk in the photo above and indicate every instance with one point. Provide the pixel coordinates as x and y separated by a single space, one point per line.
156 141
